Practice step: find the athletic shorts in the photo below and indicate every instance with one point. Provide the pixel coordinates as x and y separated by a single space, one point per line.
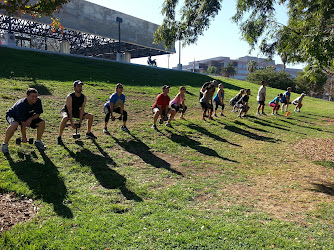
261 103
33 123
75 115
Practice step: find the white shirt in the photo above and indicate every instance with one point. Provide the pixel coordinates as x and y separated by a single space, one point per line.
261 95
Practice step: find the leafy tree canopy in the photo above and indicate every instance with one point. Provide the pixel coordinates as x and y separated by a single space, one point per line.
275 79
229 70
307 37
33 8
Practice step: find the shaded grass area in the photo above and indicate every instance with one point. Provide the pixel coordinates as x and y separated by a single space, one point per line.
175 188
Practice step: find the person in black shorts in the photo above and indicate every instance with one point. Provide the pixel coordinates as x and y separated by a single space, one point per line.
242 104
75 108
26 113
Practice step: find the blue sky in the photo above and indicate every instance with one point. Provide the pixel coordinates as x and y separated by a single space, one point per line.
221 39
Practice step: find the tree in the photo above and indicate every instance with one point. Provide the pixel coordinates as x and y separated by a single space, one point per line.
329 88
275 79
251 66
310 85
40 7
229 70
307 37
212 70
271 67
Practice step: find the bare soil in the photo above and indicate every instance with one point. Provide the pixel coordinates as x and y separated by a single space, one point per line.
14 210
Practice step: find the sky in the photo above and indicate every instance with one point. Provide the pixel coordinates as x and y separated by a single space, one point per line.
221 39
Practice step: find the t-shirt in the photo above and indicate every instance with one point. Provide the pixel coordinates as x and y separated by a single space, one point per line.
243 99
286 93
261 95
162 100
298 100
116 100
276 100
22 110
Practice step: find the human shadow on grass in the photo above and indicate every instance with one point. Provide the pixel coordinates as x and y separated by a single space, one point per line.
209 134
137 147
326 188
43 180
307 127
268 124
185 141
247 126
250 134
107 177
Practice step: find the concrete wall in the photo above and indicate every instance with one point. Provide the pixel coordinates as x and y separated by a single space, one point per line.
94 19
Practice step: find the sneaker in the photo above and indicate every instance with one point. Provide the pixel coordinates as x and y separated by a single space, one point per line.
169 125
59 141
239 116
215 115
90 135
273 114
263 113
258 113
4 148
161 121
154 126
222 115
124 128
105 131
181 117
40 145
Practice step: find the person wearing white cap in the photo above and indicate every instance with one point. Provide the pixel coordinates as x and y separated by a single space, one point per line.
298 102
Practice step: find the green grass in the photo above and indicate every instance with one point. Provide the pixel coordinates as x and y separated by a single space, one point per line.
198 185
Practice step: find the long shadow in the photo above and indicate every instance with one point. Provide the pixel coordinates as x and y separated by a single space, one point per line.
326 188
209 134
185 141
247 126
44 181
301 121
266 124
137 147
250 134
107 177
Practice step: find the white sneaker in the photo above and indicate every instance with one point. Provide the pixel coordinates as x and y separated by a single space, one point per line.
258 113
4 148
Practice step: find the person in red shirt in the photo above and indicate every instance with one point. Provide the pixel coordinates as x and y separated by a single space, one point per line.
161 108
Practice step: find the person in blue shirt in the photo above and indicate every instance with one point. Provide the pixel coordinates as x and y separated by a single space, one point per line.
285 100
275 103
218 99
25 113
115 104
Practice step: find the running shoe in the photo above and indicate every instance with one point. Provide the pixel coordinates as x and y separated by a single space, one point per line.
124 128
4 148
90 135
40 145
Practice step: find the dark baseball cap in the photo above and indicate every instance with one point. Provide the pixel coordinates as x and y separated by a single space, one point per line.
77 82
165 87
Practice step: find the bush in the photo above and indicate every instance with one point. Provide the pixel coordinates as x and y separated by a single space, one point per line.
274 79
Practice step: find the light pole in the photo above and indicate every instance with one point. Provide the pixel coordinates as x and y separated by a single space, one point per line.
119 20
179 66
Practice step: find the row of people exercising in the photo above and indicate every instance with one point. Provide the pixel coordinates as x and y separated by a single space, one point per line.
26 112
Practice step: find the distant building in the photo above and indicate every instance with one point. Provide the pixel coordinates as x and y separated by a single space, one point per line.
240 63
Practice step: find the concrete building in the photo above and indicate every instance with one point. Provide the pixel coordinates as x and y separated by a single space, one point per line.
240 63
89 30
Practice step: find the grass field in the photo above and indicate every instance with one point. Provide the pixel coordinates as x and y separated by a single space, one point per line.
252 183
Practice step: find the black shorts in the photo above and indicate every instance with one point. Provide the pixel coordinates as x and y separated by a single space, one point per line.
261 102
33 123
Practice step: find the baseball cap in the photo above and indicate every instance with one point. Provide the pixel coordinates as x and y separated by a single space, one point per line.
77 82
165 87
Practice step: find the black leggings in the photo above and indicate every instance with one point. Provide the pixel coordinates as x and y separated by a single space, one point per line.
118 110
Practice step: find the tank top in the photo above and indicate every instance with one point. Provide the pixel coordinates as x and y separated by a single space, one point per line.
76 103
174 101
